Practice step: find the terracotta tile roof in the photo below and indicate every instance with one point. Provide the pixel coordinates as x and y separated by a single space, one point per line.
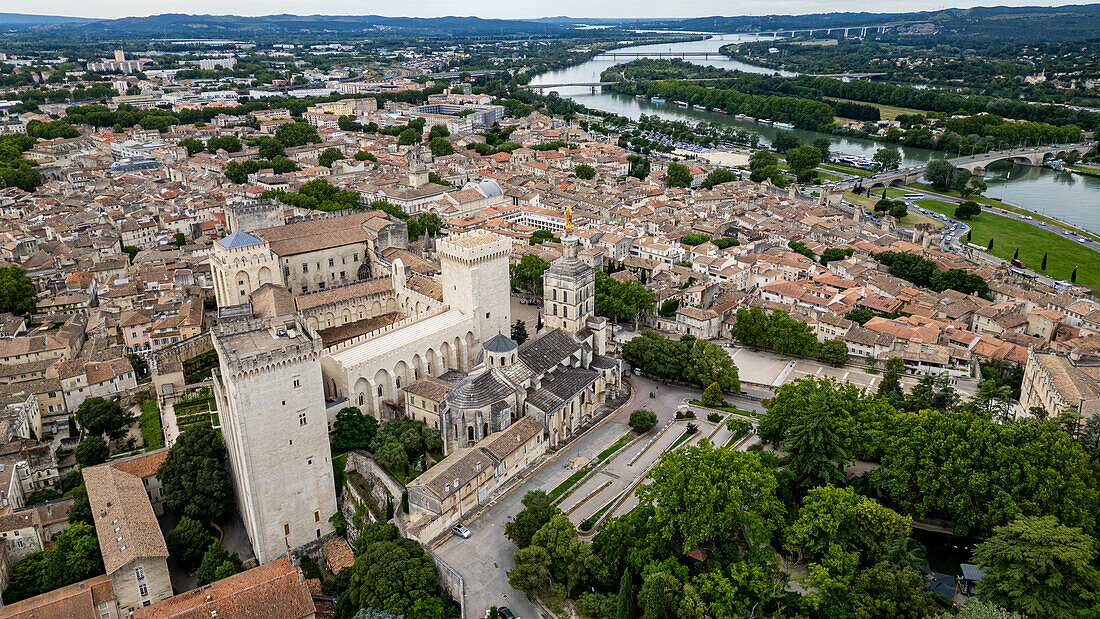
343 293
118 500
143 465
76 600
338 554
274 590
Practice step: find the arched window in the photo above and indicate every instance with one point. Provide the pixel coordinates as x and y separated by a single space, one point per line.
379 390
398 382
361 399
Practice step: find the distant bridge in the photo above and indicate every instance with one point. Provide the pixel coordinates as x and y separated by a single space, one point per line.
975 164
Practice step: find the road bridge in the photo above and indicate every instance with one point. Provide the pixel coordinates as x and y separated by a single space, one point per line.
975 164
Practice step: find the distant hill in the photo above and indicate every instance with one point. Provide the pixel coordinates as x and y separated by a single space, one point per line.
1033 23
226 25
21 19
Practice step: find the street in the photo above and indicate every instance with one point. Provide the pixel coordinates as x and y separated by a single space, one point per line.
484 559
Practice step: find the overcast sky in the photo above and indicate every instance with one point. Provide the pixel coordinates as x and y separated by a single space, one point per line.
487 8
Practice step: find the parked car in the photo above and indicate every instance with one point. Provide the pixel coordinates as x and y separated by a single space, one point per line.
506 613
461 531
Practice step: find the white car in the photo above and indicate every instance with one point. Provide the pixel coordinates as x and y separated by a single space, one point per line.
461 531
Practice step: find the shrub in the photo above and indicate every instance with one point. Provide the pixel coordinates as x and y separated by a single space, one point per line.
642 420
714 417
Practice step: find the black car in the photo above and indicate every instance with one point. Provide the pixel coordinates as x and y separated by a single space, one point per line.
505 613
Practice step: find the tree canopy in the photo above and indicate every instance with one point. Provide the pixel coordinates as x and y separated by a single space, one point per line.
194 477
700 362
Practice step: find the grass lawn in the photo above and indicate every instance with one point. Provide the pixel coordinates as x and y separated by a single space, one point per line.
888 112
912 219
822 176
1012 208
735 438
683 438
728 409
847 169
570 481
1009 234
152 433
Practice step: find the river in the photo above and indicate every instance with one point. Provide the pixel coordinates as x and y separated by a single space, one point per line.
1072 198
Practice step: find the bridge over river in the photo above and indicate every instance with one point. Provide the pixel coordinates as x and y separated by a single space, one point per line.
975 164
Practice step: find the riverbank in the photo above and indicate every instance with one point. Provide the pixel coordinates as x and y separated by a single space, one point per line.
1065 196
1012 208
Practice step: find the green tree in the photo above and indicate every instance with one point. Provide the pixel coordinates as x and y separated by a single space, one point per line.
17 292
570 559
891 380
713 396
229 143
91 451
519 331
763 164
392 456
677 175
297 134
391 575
815 454
329 156
194 478
887 159
642 420
700 495
833 352
659 595
968 210
1039 567
887 592
105 417
532 571
978 609
438 131
213 559
802 161
409 137
74 557
784 141
584 172
940 173
188 542
719 176
527 273
365 155
352 429
440 147
269 147
906 552
537 511
192 145
823 146
626 609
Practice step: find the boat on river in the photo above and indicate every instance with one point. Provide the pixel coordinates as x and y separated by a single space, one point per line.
657 100
701 108
783 125
764 121
718 110
681 103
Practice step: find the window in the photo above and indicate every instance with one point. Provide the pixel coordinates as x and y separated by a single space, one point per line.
486 315
331 263
301 419
355 258
379 390
139 572
297 383
286 529
143 589
316 516
305 268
